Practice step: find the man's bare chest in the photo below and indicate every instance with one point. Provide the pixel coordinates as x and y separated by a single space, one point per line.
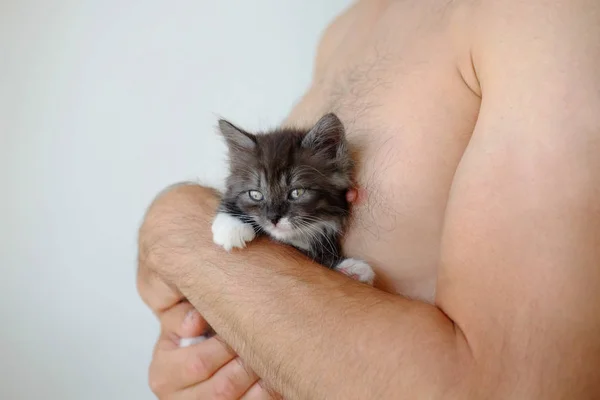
410 115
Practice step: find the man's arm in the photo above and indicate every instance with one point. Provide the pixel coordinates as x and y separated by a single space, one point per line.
309 332
520 269
519 274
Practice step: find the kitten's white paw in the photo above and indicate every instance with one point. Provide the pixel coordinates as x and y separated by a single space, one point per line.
357 269
230 232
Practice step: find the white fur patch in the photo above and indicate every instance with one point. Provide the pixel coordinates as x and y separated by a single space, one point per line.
301 238
283 231
230 232
357 269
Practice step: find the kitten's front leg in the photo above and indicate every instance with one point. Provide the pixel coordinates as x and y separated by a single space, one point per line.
356 269
229 231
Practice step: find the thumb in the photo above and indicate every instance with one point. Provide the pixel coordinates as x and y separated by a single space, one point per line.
183 320
155 292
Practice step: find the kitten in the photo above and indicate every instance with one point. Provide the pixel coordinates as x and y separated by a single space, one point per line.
291 185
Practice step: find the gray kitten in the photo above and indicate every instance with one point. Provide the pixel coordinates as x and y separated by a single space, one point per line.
291 185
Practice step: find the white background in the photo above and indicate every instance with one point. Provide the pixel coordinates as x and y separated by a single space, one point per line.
102 104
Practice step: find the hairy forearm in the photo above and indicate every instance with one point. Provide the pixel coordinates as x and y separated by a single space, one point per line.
312 333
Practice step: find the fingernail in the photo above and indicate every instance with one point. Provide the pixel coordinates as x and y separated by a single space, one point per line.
191 317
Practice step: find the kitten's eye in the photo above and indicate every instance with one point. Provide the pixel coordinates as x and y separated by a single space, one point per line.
256 195
297 193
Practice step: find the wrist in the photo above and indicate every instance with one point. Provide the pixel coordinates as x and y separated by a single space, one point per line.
176 230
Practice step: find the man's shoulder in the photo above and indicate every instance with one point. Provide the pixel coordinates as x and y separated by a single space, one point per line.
517 17
512 38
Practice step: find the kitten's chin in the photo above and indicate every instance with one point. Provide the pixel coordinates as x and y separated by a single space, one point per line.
280 233
289 235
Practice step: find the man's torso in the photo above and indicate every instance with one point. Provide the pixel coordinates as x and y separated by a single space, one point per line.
399 75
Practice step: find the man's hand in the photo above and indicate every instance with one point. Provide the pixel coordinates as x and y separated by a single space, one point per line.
207 370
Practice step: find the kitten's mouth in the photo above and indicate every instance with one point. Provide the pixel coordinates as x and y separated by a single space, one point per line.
282 230
281 234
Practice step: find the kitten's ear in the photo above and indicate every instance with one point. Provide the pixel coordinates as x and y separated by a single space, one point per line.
326 136
237 139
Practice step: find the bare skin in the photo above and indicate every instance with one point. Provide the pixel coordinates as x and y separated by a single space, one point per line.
479 133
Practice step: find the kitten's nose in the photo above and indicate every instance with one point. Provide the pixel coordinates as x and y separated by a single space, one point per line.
274 219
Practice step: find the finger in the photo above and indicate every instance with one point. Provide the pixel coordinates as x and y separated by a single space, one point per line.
230 382
257 392
157 294
175 369
183 320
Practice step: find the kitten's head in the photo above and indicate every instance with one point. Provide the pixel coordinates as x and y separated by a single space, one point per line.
292 183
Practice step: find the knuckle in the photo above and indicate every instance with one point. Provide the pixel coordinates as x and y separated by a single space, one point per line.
156 382
199 368
157 385
225 389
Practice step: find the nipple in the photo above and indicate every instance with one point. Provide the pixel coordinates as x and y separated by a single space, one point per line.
356 196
